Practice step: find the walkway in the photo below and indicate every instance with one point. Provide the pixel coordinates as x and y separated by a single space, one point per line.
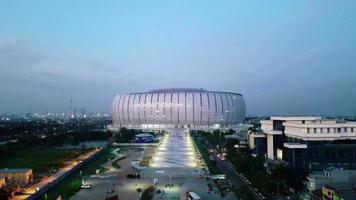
176 150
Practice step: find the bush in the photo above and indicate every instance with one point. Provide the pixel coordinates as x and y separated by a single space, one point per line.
148 193
133 176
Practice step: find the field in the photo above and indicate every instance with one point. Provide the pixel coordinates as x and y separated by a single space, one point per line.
70 185
40 159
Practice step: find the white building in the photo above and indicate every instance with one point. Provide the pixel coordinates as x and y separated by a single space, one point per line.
179 108
310 142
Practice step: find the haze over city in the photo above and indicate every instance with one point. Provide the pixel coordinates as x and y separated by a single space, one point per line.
284 57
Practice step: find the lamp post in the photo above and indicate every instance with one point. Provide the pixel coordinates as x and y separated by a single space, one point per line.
220 141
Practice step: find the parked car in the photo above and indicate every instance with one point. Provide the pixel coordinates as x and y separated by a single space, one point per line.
86 186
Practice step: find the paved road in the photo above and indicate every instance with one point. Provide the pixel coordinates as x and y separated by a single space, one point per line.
31 190
231 174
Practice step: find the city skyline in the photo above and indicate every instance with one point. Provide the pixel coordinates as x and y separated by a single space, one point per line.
284 57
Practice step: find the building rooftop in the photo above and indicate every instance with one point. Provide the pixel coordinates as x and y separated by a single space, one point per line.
295 118
179 90
16 170
182 90
143 135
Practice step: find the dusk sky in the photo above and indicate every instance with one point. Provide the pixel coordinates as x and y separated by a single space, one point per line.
285 56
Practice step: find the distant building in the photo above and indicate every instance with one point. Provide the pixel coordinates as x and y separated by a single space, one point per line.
17 177
144 138
311 143
331 183
2 181
333 177
330 193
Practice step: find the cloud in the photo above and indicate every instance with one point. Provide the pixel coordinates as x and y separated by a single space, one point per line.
28 70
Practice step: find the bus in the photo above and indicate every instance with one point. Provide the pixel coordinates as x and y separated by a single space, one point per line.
193 196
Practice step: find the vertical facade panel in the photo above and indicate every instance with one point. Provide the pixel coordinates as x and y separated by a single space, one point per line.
118 110
226 107
175 108
127 110
150 108
212 111
238 113
131 109
122 109
146 112
219 116
139 109
181 107
204 109
237 99
197 109
134 113
161 116
165 108
189 108
242 107
114 112
169 108
154 108
231 109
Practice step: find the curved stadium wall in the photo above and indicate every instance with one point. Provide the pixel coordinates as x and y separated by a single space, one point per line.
178 108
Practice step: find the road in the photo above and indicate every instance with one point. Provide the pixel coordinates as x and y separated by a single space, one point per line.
231 174
31 190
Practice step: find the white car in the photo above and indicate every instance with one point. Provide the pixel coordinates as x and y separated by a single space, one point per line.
218 177
86 186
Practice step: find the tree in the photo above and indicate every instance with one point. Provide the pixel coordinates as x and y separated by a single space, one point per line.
244 193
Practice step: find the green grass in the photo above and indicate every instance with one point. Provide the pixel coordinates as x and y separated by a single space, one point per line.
71 185
40 159
205 155
116 164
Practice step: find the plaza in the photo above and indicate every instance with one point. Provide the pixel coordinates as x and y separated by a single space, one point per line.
172 175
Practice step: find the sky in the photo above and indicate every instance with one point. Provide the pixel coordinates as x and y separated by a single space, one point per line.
285 57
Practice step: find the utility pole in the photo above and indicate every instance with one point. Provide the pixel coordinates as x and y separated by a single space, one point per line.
220 141
278 189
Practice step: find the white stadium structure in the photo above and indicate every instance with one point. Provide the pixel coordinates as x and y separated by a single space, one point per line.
178 108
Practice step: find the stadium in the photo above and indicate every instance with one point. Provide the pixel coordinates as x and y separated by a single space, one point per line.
197 109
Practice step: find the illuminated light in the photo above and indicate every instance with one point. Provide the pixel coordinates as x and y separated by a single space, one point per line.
174 152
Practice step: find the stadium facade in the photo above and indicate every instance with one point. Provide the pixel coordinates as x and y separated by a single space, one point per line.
178 108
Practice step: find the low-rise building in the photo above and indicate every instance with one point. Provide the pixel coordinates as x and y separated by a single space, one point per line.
311 143
331 193
2 181
144 138
257 141
17 177
333 177
332 183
